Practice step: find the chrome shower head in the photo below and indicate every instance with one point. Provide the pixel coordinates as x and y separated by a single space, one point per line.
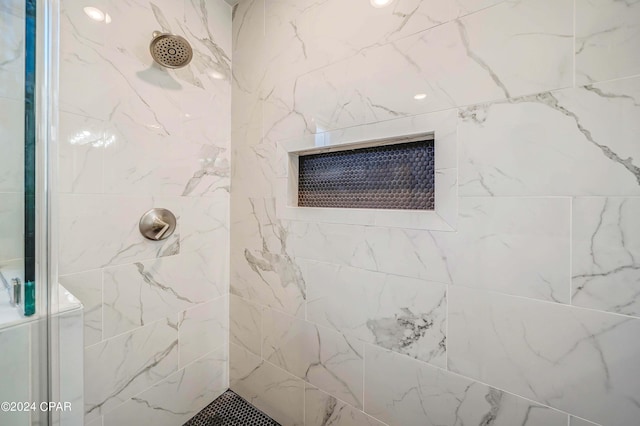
170 51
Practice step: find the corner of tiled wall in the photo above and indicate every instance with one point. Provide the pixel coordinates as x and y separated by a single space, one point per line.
529 312
135 136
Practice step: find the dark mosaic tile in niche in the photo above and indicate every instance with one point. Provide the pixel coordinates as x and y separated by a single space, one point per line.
400 176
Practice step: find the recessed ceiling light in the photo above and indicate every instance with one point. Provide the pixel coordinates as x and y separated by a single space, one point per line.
380 3
420 96
94 13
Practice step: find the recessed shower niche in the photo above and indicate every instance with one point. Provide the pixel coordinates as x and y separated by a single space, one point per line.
401 173
393 176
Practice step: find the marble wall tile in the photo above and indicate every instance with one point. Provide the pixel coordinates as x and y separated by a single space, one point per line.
11 229
141 161
206 227
12 145
203 329
606 254
606 40
263 270
81 150
248 43
300 41
245 324
320 356
82 42
576 360
575 421
177 398
140 293
485 56
270 389
419 394
87 287
149 95
207 26
95 422
12 13
570 142
403 314
119 368
404 252
112 223
320 408
518 246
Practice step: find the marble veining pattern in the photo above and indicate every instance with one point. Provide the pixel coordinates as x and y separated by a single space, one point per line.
606 254
593 125
133 136
322 409
265 271
606 31
318 355
119 368
419 394
402 314
178 397
568 358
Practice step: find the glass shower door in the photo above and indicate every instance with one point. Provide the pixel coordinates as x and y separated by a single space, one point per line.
25 308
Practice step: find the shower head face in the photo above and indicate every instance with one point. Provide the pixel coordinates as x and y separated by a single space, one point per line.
170 51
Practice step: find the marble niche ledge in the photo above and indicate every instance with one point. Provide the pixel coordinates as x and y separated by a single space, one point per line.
440 126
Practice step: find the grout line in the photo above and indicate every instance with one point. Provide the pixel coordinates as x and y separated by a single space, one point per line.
446 326
571 251
574 54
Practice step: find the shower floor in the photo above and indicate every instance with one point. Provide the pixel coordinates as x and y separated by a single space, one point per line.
230 409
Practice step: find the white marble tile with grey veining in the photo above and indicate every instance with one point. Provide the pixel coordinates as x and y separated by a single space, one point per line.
403 314
81 149
322 409
606 254
248 44
264 271
509 50
403 391
321 356
138 160
140 293
12 49
147 94
203 329
82 54
270 389
607 40
245 324
11 226
205 227
404 252
111 222
301 42
518 246
12 145
120 368
87 287
179 397
207 26
575 421
580 361
569 142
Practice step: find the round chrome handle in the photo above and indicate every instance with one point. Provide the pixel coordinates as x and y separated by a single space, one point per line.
157 224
